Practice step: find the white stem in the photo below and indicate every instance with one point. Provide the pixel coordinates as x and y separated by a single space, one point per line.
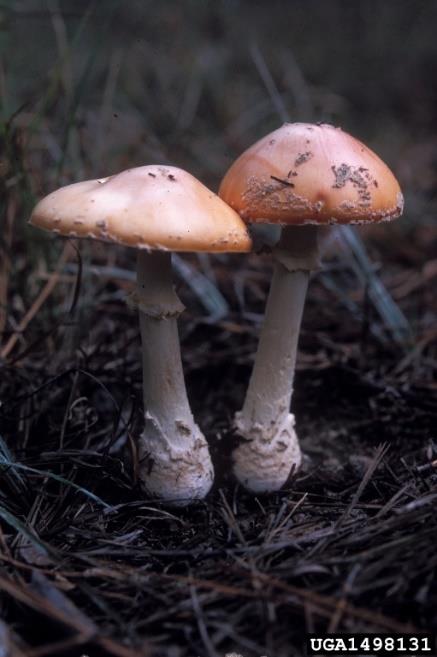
174 455
270 450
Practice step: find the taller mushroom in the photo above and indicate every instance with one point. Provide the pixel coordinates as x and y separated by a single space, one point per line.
156 210
301 177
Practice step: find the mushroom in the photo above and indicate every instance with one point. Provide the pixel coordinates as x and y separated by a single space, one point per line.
157 210
301 177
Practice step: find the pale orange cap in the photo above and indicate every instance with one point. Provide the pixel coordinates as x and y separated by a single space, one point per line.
150 207
311 174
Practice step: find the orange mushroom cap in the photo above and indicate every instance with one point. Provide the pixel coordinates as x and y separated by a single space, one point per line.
150 207
311 174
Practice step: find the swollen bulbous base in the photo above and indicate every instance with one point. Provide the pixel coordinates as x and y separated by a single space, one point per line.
264 461
176 474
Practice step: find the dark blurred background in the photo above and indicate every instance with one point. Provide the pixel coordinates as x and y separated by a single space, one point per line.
98 86
88 89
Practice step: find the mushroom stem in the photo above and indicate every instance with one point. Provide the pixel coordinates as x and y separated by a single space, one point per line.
174 455
270 449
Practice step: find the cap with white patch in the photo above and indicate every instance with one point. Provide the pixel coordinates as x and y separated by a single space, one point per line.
311 174
149 207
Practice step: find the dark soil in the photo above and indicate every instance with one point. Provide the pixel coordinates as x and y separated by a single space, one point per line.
349 545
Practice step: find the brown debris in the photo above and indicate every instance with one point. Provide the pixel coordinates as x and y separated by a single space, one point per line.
302 158
282 181
360 179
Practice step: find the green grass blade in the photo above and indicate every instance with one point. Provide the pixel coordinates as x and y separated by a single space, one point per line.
55 477
14 522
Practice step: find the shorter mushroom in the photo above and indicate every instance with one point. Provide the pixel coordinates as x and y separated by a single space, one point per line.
301 177
157 210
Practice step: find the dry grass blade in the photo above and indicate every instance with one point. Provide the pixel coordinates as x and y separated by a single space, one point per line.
269 82
209 647
5 262
8 643
379 455
38 303
49 601
392 316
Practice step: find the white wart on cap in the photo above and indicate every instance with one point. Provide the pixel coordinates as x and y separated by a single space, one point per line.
150 207
311 174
